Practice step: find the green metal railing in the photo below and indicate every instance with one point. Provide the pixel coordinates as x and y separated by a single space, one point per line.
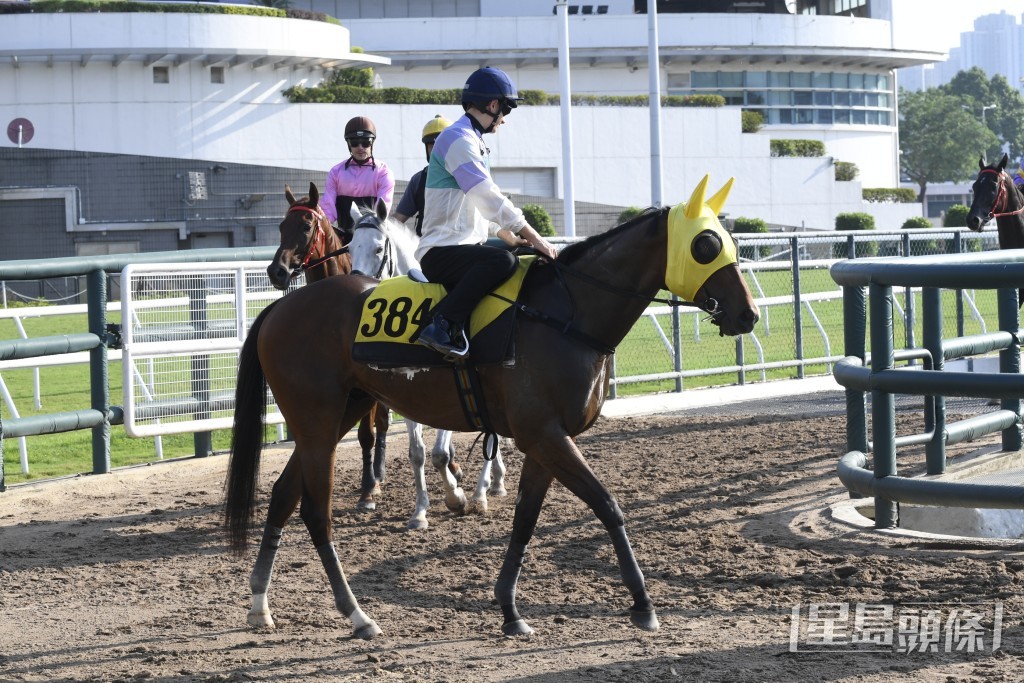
100 415
989 270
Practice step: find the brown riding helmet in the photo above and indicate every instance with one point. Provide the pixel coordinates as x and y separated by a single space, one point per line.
360 127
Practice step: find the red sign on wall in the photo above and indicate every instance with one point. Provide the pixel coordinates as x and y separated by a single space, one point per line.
20 131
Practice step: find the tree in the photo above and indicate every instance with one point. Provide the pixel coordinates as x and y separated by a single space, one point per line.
539 219
276 4
939 140
361 78
1006 119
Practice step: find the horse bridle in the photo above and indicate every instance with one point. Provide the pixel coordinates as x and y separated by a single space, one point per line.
387 264
1002 196
319 239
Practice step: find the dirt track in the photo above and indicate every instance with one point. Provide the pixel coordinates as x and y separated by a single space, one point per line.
125 577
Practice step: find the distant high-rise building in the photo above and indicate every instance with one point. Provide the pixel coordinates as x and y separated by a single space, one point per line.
996 46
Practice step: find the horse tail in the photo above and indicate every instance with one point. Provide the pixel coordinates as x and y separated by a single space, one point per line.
246 440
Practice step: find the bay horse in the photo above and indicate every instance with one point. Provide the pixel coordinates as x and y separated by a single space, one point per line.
995 196
310 245
573 310
383 249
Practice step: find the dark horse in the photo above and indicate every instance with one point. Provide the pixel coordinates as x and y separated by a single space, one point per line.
574 312
309 244
995 196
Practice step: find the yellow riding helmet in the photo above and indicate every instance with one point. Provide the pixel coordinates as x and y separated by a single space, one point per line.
434 127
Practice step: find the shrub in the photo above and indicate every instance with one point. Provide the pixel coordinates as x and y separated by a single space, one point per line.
797 148
956 216
846 171
855 221
539 219
921 247
752 121
892 195
628 213
752 225
916 223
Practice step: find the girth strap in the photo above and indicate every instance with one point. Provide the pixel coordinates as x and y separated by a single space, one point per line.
471 396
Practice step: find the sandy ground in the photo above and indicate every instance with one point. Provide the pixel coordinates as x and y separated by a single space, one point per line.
125 577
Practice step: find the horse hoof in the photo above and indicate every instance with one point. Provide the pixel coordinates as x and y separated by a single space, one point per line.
646 621
417 523
367 632
457 503
260 620
480 505
519 627
497 491
366 505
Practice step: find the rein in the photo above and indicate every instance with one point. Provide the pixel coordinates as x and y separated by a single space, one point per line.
1002 196
569 328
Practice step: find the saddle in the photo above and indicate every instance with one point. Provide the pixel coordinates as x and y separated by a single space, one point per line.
395 310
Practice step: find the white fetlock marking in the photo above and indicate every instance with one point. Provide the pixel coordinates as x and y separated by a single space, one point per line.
259 615
362 625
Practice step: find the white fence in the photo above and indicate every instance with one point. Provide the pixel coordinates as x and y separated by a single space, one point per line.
182 328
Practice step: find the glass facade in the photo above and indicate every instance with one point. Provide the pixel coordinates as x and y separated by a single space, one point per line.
798 97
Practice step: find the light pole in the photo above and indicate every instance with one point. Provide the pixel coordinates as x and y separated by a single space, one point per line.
984 109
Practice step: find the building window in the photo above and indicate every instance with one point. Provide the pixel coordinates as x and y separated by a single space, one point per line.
216 74
161 74
823 97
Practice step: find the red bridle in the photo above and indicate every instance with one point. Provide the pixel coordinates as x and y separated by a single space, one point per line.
998 209
319 237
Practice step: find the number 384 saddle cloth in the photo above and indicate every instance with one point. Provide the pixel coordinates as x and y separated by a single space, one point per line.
395 311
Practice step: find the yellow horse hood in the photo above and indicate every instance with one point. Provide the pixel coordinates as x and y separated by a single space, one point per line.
698 245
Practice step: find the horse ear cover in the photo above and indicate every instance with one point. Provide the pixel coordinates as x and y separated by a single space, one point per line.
695 236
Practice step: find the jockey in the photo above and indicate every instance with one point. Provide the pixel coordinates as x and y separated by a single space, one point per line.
461 201
1018 177
414 196
360 179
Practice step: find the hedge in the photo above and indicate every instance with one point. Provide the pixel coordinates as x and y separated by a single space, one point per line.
891 195
846 171
855 221
797 148
956 216
85 6
347 94
752 121
752 225
628 213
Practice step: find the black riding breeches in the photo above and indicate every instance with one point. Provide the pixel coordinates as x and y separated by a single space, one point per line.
468 272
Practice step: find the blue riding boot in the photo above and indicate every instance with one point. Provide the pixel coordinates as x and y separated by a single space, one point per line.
445 337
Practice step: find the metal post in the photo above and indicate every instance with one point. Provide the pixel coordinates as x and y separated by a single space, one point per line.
654 100
908 324
798 316
741 376
1009 361
935 406
565 105
855 311
677 345
203 441
883 407
99 388
957 249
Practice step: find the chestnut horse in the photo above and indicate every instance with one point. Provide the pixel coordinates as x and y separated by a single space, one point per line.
309 244
573 311
995 196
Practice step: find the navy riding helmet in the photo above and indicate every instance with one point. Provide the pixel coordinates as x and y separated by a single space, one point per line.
489 83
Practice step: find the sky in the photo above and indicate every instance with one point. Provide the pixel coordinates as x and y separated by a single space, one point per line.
937 24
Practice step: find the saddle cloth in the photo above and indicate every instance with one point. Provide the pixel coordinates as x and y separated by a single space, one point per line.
396 309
